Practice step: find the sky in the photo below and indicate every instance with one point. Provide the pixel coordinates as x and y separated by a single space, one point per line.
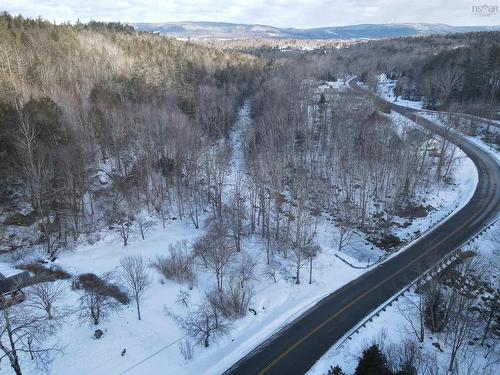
280 13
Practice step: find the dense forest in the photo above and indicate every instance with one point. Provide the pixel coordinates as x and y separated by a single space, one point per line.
100 122
84 102
455 70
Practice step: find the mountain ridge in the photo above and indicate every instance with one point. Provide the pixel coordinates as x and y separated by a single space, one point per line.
207 29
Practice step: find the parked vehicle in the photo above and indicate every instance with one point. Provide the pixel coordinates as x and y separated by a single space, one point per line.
13 298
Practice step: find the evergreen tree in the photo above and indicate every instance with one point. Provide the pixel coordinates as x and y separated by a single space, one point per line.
373 362
337 371
493 66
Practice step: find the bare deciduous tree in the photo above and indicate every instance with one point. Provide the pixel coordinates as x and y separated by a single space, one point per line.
183 297
311 251
414 308
398 89
271 269
216 251
462 326
345 226
144 224
244 270
234 213
205 323
45 296
100 299
24 332
136 278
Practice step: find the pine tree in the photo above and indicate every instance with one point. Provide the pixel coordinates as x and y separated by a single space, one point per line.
373 362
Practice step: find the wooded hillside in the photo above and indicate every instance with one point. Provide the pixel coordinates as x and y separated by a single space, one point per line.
99 101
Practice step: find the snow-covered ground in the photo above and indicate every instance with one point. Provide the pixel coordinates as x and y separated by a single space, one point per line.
154 341
386 90
340 85
391 327
152 344
445 198
276 304
439 118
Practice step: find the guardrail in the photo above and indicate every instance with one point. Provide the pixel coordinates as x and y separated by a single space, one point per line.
426 276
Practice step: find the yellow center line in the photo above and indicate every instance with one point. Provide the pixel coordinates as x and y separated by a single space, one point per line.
353 302
276 360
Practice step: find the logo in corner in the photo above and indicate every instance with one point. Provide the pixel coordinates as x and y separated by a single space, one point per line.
485 10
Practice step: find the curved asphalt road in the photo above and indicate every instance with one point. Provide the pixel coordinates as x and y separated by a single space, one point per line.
296 348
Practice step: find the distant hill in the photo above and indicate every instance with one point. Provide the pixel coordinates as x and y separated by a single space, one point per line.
365 31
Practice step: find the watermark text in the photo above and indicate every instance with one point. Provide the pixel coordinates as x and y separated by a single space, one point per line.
485 10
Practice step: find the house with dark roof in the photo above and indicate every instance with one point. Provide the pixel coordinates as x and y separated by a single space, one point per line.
14 282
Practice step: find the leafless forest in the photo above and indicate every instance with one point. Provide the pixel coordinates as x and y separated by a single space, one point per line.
106 128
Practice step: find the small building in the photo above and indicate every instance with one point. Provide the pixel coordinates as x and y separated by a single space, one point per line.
14 282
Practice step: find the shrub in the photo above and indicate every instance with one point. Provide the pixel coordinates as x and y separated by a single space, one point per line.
20 219
178 265
43 273
186 349
233 300
101 286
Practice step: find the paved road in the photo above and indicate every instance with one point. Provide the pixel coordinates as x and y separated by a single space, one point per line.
299 345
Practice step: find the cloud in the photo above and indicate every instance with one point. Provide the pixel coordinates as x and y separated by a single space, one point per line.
282 13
